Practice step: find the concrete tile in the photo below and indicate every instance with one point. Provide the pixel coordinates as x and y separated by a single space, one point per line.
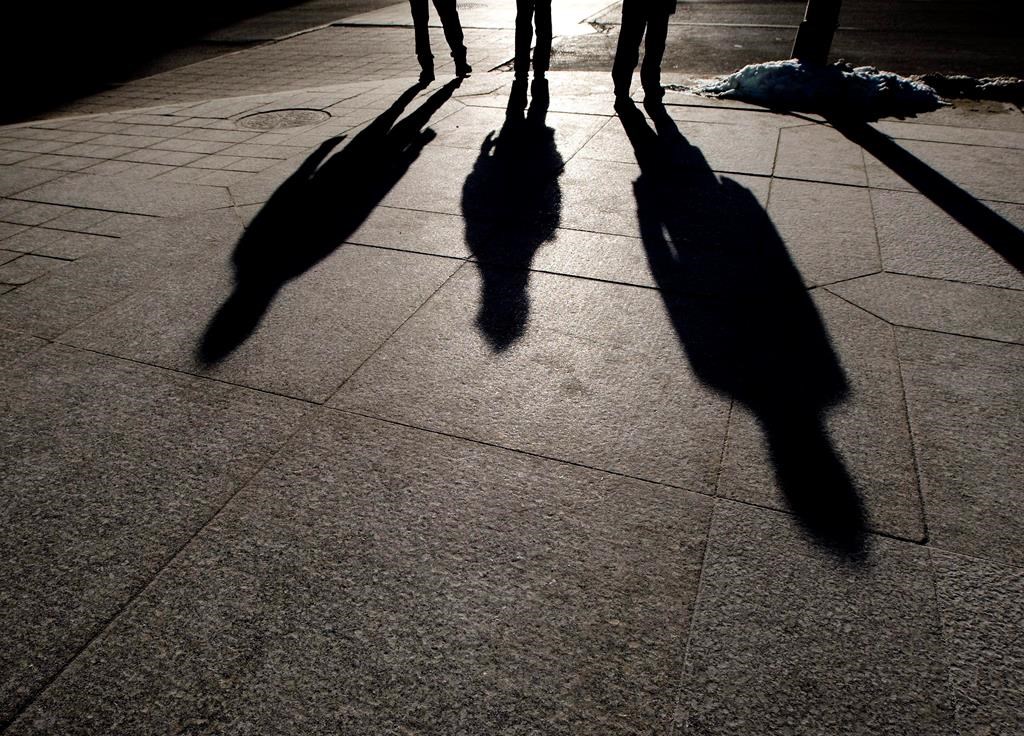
982 605
109 469
943 306
27 268
423 232
434 181
819 153
79 220
16 179
469 127
53 304
14 345
36 214
985 172
853 467
598 196
593 255
57 243
112 193
787 639
966 409
902 130
6 256
916 237
578 370
725 147
8 229
302 338
386 580
828 230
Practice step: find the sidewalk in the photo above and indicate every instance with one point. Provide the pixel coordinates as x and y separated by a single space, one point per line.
536 449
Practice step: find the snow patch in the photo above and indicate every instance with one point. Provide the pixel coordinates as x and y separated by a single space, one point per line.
836 88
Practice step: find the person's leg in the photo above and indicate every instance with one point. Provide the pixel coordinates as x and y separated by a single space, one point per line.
449 15
654 51
627 53
421 29
542 54
524 37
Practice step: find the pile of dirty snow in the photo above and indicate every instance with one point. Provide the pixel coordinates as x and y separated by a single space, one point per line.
1004 89
839 88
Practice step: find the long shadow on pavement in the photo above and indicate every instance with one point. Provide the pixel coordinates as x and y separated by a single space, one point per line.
314 211
745 320
512 203
1002 236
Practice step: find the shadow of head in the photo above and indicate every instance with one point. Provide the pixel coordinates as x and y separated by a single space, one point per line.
749 327
512 204
315 210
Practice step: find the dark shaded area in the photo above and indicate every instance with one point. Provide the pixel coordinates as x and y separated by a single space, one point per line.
314 211
1000 234
512 203
56 51
747 323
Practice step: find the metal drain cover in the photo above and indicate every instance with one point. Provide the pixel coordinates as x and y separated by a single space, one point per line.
277 119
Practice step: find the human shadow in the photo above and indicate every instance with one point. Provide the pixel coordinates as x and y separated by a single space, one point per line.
1002 236
512 204
314 211
745 320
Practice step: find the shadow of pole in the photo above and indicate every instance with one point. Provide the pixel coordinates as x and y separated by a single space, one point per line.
512 204
746 321
314 211
1002 236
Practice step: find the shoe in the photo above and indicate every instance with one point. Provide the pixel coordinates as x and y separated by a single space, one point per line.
653 91
462 68
624 103
426 75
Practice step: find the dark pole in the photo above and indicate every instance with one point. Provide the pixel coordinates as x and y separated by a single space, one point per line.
814 37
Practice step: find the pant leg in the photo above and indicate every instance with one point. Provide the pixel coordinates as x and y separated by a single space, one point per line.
524 36
449 15
421 29
654 46
542 54
627 53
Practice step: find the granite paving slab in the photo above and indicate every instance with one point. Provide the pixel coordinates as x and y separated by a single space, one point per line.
16 179
63 298
114 193
109 468
924 131
828 230
943 306
414 230
727 147
986 172
966 403
789 640
982 605
820 153
853 467
918 238
13 345
296 326
28 268
57 243
598 196
387 580
572 369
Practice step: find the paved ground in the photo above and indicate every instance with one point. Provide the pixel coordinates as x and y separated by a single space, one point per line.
701 424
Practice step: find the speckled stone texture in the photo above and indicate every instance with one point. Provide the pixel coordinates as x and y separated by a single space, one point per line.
982 605
966 403
109 468
377 579
594 375
786 640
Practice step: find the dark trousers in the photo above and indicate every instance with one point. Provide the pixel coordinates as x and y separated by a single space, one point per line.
529 12
449 16
638 15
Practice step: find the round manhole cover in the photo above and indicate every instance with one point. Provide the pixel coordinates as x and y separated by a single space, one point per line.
277 119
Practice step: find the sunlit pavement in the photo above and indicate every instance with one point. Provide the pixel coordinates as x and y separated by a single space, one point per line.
706 423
